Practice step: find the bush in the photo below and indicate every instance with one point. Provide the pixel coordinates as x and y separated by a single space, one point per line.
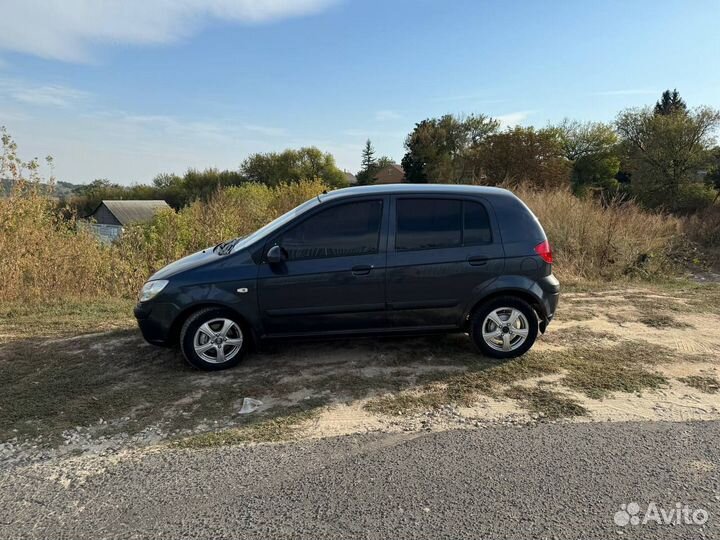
601 239
44 256
230 212
704 227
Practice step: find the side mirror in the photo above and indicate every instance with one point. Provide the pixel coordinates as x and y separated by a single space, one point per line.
276 255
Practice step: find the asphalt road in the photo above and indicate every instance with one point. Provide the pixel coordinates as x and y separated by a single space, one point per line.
545 481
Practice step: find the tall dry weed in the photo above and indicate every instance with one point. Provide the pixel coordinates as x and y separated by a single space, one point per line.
602 240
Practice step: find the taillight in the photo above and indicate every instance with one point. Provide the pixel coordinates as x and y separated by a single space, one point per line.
543 249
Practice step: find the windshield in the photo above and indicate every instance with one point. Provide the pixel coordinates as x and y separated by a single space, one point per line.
275 224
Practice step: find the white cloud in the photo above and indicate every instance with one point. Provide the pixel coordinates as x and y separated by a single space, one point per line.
513 118
56 96
68 29
627 92
52 95
387 114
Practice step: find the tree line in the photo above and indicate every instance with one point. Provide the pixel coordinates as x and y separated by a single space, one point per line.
664 156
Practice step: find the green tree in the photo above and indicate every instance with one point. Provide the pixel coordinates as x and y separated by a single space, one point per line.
368 165
368 156
665 153
443 149
304 164
670 103
591 148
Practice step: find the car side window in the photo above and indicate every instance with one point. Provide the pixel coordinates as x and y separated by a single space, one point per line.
476 224
341 231
428 224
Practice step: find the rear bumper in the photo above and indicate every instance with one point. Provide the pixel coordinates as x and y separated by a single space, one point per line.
550 298
155 322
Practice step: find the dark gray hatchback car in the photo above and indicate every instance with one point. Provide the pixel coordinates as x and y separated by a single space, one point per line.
393 259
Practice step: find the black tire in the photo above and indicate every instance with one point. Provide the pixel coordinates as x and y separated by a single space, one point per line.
208 315
511 302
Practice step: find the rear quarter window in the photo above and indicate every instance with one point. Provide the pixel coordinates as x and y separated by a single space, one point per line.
517 223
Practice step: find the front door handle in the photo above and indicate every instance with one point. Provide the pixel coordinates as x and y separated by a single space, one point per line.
477 261
361 270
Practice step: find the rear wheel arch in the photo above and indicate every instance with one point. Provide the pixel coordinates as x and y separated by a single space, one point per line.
524 295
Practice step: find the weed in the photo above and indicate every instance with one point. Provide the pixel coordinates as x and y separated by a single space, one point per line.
704 383
547 403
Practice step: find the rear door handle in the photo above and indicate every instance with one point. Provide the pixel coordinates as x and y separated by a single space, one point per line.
477 261
361 270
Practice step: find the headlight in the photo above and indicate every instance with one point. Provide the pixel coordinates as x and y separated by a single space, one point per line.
151 289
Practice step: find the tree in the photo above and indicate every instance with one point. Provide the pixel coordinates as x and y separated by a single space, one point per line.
367 175
670 103
368 156
524 155
293 166
591 148
665 153
368 165
442 149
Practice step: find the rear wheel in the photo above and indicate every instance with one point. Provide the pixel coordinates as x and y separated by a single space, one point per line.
213 339
505 327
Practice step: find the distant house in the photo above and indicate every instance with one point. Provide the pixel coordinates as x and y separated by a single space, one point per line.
110 217
391 174
350 177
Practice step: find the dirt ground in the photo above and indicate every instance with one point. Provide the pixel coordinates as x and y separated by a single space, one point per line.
91 386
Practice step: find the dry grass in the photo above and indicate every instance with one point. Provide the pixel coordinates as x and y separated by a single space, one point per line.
46 256
596 371
704 383
591 240
548 404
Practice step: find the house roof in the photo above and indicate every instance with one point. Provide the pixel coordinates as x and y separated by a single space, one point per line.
391 173
127 212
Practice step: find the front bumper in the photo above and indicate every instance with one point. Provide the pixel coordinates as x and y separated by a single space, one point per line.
156 322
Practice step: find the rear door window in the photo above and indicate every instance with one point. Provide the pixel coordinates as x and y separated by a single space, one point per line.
476 224
428 224
440 223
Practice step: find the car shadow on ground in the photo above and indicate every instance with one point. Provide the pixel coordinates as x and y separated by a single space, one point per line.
115 382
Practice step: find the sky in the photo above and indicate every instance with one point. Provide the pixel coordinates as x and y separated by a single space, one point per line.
127 89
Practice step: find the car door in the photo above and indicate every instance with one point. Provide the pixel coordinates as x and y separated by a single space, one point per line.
334 277
441 252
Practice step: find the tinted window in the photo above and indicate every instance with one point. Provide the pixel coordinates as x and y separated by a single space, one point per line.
476 225
340 231
428 224
517 222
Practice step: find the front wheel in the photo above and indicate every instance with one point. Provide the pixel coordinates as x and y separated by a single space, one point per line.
213 339
506 327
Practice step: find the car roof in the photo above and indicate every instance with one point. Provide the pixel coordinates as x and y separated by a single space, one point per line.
404 189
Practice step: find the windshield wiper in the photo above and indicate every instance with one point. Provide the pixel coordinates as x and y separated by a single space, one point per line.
223 248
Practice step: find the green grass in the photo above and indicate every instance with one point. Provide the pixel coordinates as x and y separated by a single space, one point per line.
704 383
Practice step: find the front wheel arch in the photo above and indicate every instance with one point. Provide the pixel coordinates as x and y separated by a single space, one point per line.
191 310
